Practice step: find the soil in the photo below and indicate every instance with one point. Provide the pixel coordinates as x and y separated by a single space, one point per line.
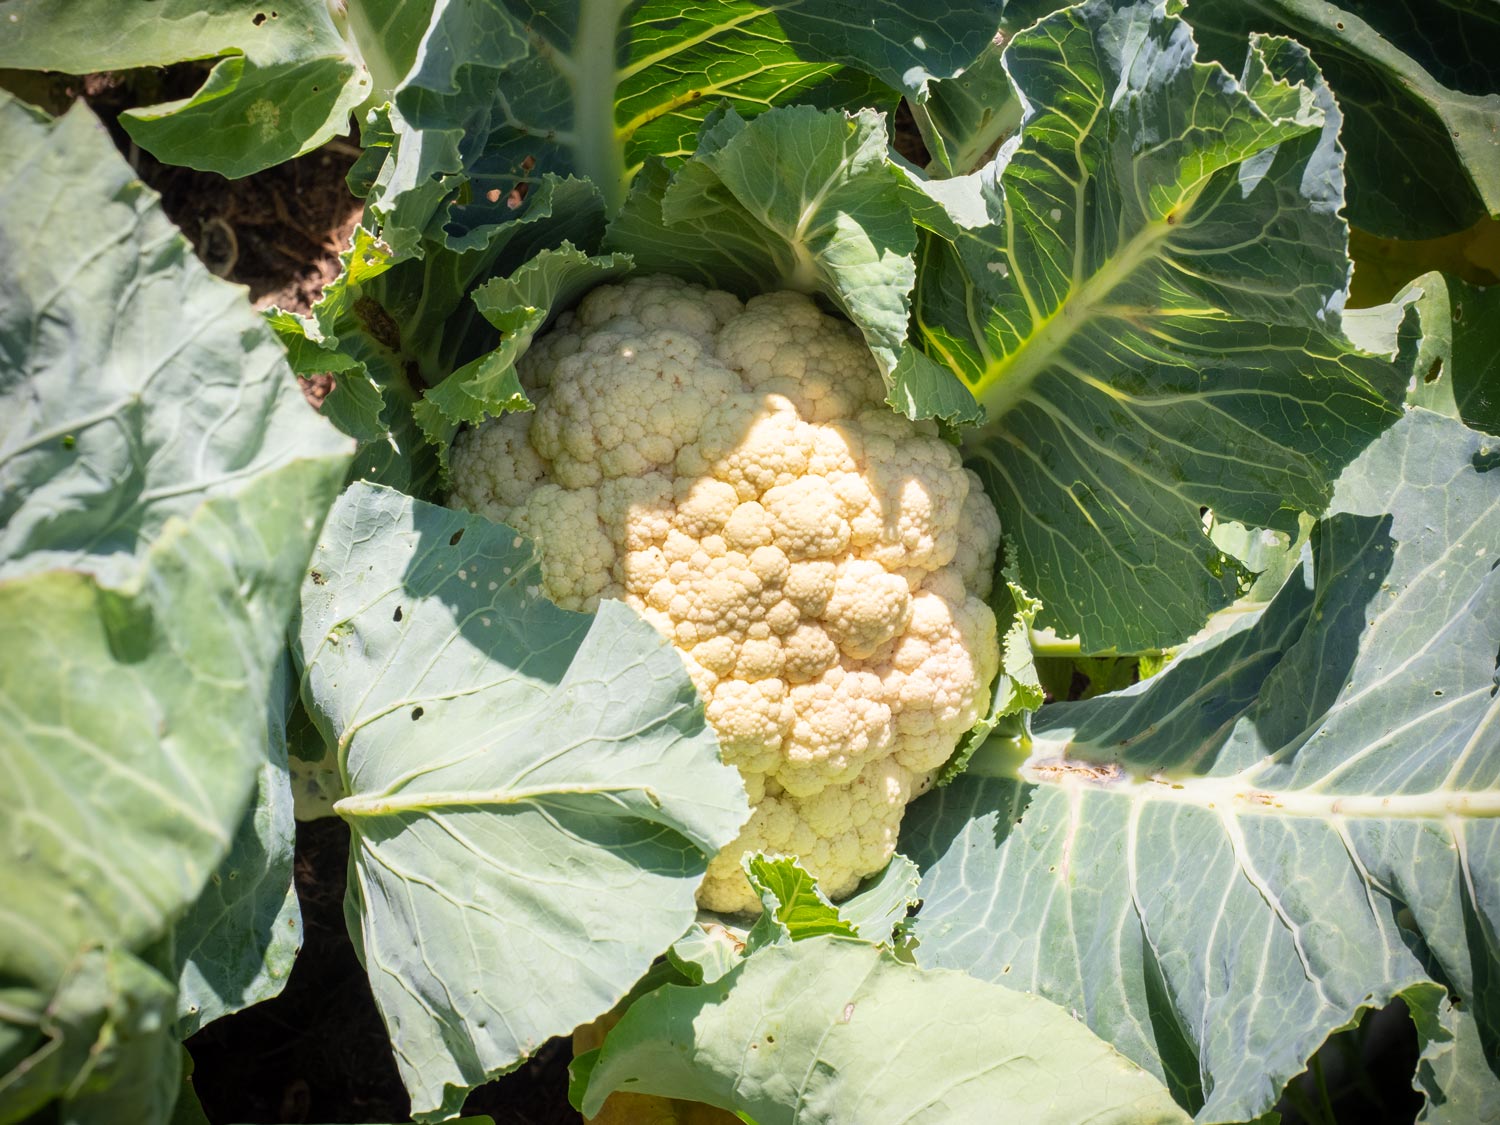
318 1052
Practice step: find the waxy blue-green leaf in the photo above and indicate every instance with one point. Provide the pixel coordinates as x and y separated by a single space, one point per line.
505 91
1419 85
236 944
393 330
830 1030
287 76
135 385
707 951
1290 824
533 793
1448 333
798 198
102 1043
1143 292
881 902
160 489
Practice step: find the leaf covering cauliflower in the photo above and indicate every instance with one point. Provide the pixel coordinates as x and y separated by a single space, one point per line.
732 472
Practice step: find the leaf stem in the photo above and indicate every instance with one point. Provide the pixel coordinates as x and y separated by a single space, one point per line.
600 151
363 805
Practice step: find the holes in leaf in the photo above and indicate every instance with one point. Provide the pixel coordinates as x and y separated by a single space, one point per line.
416 713
259 18
455 537
397 615
1435 372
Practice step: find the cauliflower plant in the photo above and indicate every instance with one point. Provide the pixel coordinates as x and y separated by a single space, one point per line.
732 472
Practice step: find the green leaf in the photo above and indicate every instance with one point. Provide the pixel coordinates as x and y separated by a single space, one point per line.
706 952
508 91
1454 330
1017 689
1417 84
519 306
881 902
830 1030
116 419
1292 823
1272 556
965 118
188 1110
533 793
795 909
159 491
802 199
236 944
393 331
106 1048
287 78
1144 295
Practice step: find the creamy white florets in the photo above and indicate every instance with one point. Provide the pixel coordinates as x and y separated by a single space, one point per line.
732 472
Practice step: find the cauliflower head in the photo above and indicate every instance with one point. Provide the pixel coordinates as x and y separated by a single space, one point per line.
731 471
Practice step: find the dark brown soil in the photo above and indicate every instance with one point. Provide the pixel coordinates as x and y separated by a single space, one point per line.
279 232
318 1052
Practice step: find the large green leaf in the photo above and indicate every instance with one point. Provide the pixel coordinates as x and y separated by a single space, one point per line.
1420 87
831 1030
1144 293
160 490
533 793
287 78
102 1041
1457 364
1291 824
237 942
506 91
135 384
797 198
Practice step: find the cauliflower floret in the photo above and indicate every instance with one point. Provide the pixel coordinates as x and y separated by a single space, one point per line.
503 468
731 472
842 833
